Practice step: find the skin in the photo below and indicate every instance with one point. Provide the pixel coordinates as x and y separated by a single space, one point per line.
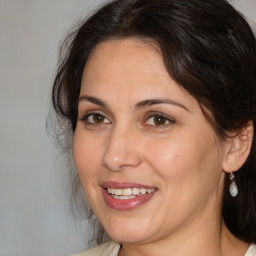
182 157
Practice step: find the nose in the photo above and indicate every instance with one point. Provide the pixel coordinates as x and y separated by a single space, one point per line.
121 150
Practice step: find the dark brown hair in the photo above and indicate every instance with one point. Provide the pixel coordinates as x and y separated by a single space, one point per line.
208 49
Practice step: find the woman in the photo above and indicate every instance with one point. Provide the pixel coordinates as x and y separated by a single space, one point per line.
161 99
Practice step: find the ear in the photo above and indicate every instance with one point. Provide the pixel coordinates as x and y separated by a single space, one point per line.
238 147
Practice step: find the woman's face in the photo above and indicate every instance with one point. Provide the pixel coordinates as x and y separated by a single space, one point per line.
149 162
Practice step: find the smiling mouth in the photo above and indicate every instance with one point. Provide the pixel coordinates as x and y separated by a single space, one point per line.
128 193
126 196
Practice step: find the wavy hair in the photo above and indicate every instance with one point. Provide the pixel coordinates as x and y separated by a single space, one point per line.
208 49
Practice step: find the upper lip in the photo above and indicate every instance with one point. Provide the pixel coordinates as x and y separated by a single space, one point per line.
123 185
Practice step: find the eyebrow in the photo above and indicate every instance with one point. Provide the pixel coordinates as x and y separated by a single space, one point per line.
93 100
138 106
156 101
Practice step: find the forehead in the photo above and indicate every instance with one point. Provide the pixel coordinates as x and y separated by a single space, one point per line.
127 63
127 54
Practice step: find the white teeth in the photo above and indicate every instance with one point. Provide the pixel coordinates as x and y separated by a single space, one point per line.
123 197
135 191
128 193
143 191
118 192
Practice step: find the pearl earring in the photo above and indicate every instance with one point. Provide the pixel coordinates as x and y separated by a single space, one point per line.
233 190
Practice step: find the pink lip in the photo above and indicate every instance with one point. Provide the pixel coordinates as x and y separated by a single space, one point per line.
125 204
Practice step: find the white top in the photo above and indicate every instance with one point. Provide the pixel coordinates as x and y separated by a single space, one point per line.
111 248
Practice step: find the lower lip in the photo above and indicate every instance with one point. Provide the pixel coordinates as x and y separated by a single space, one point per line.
126 204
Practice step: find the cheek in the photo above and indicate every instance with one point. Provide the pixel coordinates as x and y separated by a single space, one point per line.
181 158
85 153
169 160
86 159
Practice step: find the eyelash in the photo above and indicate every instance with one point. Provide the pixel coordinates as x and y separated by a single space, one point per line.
92 115
159 116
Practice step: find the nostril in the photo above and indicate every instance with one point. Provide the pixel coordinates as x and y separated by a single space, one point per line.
120 152
125 160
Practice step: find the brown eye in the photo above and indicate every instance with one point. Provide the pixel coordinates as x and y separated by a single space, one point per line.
159 120
96 118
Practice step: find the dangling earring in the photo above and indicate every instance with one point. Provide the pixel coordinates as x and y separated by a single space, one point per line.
233 190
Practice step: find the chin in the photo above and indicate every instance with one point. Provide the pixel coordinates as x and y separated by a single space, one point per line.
125 231
128 237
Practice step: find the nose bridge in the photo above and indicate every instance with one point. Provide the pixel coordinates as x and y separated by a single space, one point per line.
120 150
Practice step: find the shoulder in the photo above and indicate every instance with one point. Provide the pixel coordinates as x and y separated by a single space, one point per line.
110 248
251 251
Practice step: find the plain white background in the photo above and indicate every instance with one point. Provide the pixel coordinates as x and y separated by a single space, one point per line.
34 208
